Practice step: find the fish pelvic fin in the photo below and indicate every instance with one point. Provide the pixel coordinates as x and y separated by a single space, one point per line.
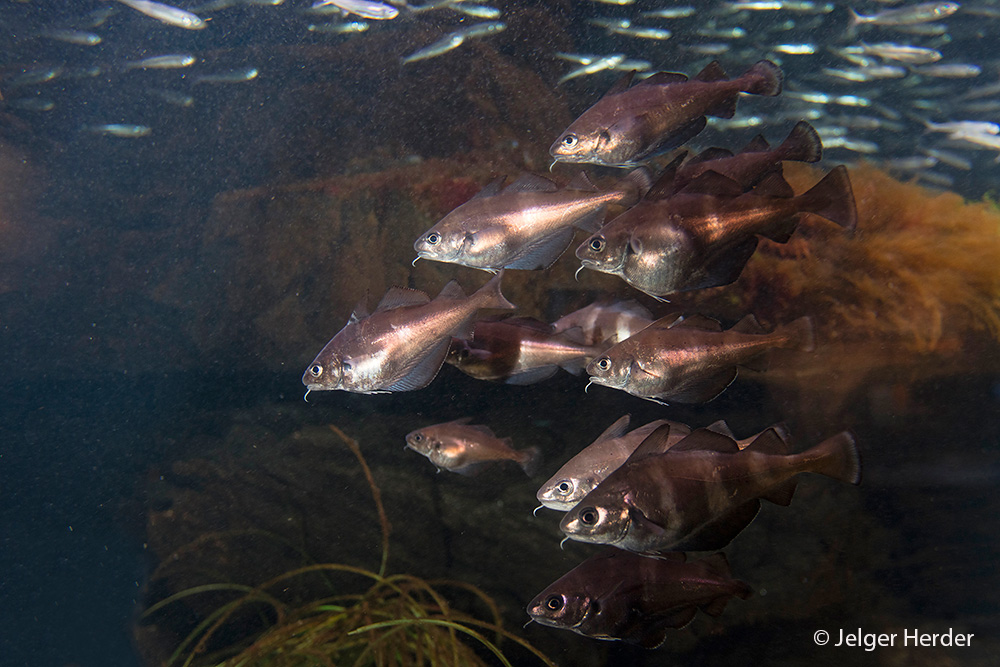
832 198
764 78
530 460
837 457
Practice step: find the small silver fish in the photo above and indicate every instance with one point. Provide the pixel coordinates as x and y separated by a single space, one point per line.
449 42
78 37
366 9
233 76
905 16
120 130
402 345
166 14
467 449
169 61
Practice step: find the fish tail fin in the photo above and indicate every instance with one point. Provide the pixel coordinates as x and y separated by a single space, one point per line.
800 333
764 78
530 460
832 198
837 457
802 145
490 296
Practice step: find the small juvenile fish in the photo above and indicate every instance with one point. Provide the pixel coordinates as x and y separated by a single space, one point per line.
467 449
949 70
120 130
483 29
35 76
478 11
599 65
670 13
632 123
78 37
700 493
174 97
616 595
449 42
402 345
233 76
639 32
903 53
904 16
166 14
338 28
605 321
691 360
366 9
169 61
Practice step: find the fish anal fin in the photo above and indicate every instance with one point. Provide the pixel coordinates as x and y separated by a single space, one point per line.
770 441
748 325
722 427
782 493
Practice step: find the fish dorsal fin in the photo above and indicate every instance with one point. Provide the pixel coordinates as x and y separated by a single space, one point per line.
581 182
757 145
492 188
696 321
703 439
769 441
459 422
709 154
397 297
664 186
531 183
452 291
721 427
748 325
663 78
773 185
360 311
713 183
616 430
655 443
713 72
480 428
621 85
667 321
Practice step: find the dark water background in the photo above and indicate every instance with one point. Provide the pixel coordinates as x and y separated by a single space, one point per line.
113 369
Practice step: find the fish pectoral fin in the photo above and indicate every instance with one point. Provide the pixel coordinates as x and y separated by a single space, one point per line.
423 370
705 389
725 266
543 253
643 522
720 531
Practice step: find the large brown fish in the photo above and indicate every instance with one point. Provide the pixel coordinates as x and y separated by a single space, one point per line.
582 473
526 225
520 350
691 360
618 595
700 493
704 235
632 123
402 345
468 448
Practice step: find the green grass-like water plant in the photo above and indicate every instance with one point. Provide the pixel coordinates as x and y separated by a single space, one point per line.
395 619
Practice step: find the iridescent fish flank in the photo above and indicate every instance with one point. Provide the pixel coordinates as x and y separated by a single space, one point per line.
402 345
633 123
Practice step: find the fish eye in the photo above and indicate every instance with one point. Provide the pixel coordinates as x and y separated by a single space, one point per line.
564 487
569 140
555 602
417 437
315 370
433 238
589 516
604 364
597 243
346 366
